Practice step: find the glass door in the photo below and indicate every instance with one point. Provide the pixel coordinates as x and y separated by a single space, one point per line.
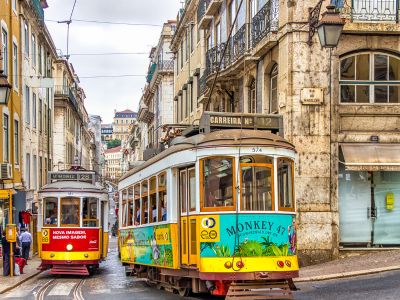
355 207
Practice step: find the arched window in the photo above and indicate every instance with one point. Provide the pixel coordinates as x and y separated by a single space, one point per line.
370 77
273 88
252 97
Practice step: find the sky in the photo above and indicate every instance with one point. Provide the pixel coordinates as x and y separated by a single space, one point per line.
103 95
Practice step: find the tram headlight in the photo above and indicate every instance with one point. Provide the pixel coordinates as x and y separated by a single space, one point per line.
69 247
86 255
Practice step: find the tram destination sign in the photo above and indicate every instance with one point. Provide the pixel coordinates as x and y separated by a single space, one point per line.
210 120
72 176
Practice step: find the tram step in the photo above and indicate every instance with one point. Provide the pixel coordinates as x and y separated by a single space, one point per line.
259 290
69 270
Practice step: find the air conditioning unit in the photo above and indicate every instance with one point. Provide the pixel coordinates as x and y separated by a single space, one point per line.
6 171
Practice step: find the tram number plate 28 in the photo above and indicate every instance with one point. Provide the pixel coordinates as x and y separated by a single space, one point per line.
210 229
45 236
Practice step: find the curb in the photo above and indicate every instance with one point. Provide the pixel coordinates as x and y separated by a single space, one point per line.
19 282
346 274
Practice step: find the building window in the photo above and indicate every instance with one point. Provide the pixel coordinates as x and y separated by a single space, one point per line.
34 110
370 78
35 168
27 105
40 171
273 88
40 115
4 43
26 37
252 97
15 65
34 51
6 139
28 171
181 56
191 38
16 142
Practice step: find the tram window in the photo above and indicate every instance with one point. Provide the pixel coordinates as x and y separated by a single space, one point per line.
50 211
285 184
130 206
153 200
70 212
137 204
145 203
256 187
192 189
261 159
182 189
124 207
89 211
162 197
217 183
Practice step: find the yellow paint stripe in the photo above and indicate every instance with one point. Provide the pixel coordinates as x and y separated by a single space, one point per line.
251 264
52 255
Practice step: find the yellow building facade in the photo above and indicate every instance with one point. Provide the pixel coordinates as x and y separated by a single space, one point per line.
10 117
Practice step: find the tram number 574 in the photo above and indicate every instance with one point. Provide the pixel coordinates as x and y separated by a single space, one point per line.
256 150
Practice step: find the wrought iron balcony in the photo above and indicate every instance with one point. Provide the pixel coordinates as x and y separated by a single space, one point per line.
213 58
203 19
38 9
369 10
202 83
165 65
239 43
265 21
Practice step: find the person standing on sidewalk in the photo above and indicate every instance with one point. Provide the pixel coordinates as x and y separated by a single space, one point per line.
6 254
26 241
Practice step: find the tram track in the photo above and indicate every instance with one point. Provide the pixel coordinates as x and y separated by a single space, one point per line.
77 293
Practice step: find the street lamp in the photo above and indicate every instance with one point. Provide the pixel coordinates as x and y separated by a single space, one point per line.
5 88
330 28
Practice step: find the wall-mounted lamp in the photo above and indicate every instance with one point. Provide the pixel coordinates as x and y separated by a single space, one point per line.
5 89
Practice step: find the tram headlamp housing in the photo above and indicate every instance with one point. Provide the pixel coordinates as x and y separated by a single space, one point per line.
69 247
86 255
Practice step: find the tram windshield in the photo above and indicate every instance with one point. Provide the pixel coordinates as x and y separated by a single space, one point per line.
217 177
89 212
50 211
70 211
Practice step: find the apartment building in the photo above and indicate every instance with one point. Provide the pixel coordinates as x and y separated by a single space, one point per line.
113 159
340 106
122 124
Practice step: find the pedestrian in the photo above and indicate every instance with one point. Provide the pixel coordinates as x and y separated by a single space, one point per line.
6 254
26 241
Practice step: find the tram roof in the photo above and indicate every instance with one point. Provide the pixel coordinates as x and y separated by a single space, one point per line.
72 185
219 138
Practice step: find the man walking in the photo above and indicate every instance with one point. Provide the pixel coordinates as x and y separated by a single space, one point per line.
6 254
26 241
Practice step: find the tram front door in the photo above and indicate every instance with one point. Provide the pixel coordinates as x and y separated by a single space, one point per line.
188 226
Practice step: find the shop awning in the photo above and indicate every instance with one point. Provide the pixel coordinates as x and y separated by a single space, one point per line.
371 157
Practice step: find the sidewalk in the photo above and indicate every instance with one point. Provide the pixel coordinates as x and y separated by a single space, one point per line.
357 264
8 283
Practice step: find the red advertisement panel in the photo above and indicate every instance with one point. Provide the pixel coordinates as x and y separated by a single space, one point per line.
81 239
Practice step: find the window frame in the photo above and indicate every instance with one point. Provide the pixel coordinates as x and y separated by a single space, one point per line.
4 50
16 142
371 82
271 166
280 208
201 181
273 75
15 66
79 212
44 201
6 137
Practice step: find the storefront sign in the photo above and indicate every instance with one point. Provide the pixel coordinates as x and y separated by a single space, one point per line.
372 168
312 96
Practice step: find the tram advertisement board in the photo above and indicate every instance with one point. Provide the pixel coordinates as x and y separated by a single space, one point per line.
253 234
82 239
151 245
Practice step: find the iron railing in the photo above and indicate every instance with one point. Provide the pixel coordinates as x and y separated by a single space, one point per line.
265 21
61 90
375 10
38 10
202 84
165 65
239 43
202 8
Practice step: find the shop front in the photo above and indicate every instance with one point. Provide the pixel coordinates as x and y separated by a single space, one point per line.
369 195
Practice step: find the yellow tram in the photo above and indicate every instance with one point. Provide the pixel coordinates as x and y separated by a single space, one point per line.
72 223
213 211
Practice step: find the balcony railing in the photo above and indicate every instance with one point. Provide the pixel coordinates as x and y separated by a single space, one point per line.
61 90
38 10
165 65
375 10
369 10
202 83
213 58
239 43
265 21
202 8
